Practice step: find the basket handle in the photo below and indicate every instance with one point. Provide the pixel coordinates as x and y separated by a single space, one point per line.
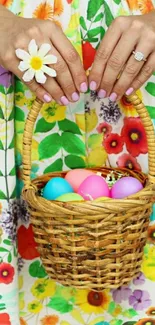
33 114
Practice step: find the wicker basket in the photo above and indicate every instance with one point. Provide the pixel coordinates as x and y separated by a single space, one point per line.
93 245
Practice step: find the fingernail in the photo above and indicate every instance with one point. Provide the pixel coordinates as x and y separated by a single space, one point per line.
102 93
83 87
93 85
47 98
129 91
113 97
64 100
75 97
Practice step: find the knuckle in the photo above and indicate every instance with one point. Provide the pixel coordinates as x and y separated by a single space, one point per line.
120 21
151 36
7 56
119 89
72 56
115 62
60 66
34 32
102 54
137 83
137 24
20 42
147 70
130 70
69 88
106 84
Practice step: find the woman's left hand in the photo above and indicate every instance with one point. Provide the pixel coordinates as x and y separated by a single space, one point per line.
116 71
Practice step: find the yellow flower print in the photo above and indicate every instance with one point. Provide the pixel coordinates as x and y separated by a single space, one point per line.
34 307
20 282
25 99
97 157
92 302
9 99
127 108
145 6
133 4
21 301
87 121
50 320
148 265
43 288
43 11
53 112
58 7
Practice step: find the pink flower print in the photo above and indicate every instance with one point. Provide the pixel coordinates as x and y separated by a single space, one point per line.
140 300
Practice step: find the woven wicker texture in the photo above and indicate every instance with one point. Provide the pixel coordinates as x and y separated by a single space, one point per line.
93 245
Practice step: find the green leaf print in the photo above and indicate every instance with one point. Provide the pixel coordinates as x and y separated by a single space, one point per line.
11 117
1 113
117 1
10 90
72 144
75 4
56 166
2 196
91 40
13 193
151 111
130 323
60 304
49 146
20 116
2 89
20 87
1 174
130 313
12 172
7 242
1 145
2 306
11 144
43 126
150 87
67 125
102 32
99 17
36 270
2 250
108 14
93 7
9 258
82 23
94 32
73 161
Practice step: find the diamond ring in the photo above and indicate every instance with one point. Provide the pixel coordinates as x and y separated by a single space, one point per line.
139 56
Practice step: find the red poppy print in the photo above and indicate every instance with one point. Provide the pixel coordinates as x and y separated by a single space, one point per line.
69 1
26 244
4 319
88 55
127 161
134 136
104 128
113 143
6 273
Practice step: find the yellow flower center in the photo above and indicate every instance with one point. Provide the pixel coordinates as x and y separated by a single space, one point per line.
153 235
148 323
114 144
134 136
5 273
36 63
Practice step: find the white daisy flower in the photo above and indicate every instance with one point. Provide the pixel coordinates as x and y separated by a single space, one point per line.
35 61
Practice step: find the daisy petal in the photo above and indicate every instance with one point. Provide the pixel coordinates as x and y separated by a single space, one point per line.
28 75
40 77
50 59
44 49
23 65
21 54
33 48
50 72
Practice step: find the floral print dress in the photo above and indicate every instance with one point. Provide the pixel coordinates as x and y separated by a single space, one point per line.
102 133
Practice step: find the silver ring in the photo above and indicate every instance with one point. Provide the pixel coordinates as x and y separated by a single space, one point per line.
139 56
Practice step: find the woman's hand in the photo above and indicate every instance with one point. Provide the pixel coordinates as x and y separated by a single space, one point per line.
115 70
16 33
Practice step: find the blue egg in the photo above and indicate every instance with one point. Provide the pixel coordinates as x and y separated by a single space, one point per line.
55 187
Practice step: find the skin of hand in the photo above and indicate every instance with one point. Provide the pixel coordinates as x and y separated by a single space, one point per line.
115 71
17 32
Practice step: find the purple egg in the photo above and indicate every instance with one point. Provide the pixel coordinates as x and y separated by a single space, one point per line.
92 187
125 186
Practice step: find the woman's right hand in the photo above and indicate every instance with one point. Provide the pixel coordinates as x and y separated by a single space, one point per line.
17 32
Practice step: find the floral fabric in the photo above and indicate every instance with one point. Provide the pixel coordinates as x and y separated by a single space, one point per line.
102 133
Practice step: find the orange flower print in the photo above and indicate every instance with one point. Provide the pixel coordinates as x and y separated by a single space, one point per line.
151 234
22 321
145 6
133 4
6 3
58 7
50 320
146 321
151 311
43 11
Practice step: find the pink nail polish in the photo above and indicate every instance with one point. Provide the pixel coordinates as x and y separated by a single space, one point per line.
102 93
129 91
75 97
113 97
47 98
93 85
64 100
83 87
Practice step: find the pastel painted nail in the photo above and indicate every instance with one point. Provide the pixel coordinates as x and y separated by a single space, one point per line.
129 91
83 87
47 98
75 97
113 97
102 93
64 100
93 85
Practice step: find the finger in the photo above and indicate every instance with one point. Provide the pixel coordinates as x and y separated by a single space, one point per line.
56 91
117 61
145 73
72 58
130 72
104 51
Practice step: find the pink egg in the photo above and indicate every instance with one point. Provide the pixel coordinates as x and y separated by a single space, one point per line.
93 186
76 176
125 186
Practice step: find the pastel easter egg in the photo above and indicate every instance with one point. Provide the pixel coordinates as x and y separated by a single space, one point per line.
75 177
93 186
68 197
125 186
55 187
